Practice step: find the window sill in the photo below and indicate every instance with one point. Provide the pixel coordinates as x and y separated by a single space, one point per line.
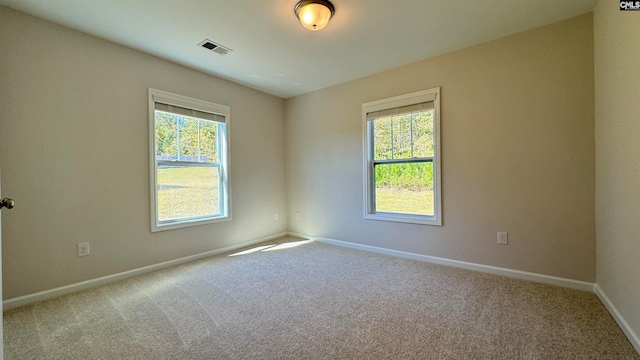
188 223
405 218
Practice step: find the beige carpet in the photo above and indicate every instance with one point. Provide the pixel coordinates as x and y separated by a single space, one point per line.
317 301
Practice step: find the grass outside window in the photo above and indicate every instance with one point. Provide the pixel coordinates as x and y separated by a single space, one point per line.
185 192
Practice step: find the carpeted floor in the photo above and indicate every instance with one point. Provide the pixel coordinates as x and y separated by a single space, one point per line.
316 301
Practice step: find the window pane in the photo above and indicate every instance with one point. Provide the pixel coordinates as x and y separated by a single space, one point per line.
209 141
166 136
423 134
185 192
401 136
188 139
405 188
382 138
198 139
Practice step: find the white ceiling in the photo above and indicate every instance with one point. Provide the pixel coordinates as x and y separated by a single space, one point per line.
272 52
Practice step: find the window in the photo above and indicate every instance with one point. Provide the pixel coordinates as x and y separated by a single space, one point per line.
189 153
402 158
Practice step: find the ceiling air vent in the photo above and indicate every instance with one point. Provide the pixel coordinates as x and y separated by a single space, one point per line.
215 47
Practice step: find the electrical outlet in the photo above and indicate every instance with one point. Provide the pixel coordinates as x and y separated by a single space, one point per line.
276 216
83 249
297 215
503 238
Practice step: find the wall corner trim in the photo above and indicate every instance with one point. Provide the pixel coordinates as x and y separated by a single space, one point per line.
83 285
299 235
624 325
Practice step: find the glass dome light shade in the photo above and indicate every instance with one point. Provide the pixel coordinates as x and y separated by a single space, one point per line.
313 15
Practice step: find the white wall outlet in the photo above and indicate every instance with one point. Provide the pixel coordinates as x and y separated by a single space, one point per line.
276 216
503 238
83 249
297 215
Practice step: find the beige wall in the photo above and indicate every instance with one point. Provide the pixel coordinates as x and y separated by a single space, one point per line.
517 154
74 155
617 111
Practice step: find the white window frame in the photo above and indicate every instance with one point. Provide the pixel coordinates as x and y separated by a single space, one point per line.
369 169
159 96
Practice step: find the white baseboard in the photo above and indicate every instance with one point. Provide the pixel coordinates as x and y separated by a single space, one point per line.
545 279
299 235
624 325
67 289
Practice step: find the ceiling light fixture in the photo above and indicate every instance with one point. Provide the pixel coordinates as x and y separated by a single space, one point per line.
314 14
